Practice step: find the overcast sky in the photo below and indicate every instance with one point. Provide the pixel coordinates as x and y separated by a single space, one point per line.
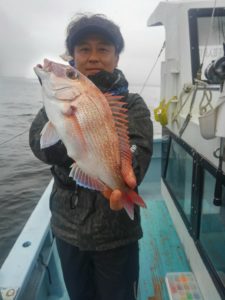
31 30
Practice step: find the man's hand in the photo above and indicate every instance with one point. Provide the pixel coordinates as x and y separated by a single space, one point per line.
115 196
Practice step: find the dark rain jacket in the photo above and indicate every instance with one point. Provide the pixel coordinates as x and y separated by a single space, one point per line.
80 216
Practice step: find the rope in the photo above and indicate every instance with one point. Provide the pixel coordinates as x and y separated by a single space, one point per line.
153 67
192 90
181 102
12 138
208 97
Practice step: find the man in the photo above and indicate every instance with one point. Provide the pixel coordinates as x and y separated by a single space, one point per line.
96 240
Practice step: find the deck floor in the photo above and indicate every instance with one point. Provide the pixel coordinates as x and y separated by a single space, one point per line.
160 247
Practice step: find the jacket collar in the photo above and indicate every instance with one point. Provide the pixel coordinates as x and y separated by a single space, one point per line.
114 83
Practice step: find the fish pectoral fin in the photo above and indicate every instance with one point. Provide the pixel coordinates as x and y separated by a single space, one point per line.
65 94
49 136
84 179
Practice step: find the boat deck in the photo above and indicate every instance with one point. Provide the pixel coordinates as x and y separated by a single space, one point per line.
160 248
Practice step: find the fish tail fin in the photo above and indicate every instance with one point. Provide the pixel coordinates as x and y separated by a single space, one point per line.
135 198
129 199
128 206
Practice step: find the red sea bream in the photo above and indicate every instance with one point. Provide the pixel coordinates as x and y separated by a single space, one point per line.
93 127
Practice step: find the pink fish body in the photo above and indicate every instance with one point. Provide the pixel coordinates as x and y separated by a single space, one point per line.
93 128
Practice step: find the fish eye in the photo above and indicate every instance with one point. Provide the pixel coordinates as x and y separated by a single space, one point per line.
72 74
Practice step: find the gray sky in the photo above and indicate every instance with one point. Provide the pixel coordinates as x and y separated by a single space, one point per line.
32 30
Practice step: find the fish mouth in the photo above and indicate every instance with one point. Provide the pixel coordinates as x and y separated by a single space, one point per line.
45 67
38 67
59 70
40 70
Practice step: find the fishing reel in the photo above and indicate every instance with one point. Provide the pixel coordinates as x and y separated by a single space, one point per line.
215 72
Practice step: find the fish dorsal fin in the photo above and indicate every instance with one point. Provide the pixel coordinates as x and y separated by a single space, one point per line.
85 180
114 100
120 117
49 136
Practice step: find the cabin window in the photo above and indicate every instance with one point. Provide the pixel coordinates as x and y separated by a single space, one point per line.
212 226
214 49
207 36
179 177
191 182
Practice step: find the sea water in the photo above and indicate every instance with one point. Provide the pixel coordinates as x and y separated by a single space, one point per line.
23 178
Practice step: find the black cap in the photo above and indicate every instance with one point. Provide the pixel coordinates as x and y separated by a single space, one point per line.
84 25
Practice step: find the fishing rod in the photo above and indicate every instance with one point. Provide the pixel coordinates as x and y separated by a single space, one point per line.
217 200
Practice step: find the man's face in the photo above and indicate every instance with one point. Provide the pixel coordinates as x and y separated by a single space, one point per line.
94 54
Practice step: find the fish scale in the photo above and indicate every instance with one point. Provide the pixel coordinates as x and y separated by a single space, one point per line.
106 149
